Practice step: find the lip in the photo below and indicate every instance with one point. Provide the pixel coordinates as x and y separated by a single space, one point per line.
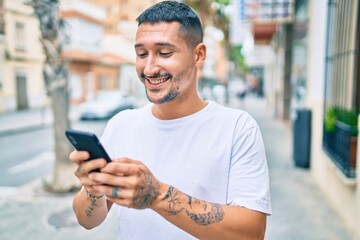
154 85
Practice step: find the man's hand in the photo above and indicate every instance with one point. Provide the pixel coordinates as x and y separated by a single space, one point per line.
128 183
83 168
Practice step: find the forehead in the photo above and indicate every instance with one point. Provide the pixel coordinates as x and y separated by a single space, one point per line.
158 32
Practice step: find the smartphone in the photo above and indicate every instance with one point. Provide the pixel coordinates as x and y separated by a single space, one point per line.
87 141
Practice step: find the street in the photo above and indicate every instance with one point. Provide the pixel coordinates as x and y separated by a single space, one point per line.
29 155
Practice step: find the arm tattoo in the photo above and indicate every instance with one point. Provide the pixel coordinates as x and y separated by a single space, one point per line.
90 208
216 214
146 193
196 209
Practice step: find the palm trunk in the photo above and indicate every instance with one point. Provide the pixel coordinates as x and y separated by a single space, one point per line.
56 82
63 178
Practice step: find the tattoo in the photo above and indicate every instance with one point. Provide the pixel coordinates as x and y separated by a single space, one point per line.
90 209
190 200
79 169
174 201
147 192
169 192
216 214
195 209
115 192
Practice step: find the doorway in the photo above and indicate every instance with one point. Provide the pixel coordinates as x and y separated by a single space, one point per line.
21 91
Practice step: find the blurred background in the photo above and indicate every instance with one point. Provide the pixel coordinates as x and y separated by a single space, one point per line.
293 64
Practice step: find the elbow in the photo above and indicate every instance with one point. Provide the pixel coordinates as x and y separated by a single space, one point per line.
88 223
86 226
259 233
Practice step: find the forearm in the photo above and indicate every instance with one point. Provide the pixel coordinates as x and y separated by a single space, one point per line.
90 212
206 220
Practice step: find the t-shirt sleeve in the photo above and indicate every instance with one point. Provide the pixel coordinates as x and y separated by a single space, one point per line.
249 177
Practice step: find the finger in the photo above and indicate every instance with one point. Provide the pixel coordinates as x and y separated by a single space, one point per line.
88 183
85 168
127 160
114 191
79 156
124 168
93 164
112 180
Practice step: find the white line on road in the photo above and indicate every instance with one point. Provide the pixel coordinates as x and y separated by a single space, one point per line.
44 158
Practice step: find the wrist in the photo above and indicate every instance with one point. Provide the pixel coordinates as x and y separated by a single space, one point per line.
158 203
90 196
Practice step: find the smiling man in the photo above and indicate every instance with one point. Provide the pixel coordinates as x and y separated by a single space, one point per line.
183 168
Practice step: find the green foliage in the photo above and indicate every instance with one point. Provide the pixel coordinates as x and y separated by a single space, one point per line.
238 58
330 119
348 117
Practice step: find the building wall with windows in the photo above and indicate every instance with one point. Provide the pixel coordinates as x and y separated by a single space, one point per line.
333 56
22 79
91 67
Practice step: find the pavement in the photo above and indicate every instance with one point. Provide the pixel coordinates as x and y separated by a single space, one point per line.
300 210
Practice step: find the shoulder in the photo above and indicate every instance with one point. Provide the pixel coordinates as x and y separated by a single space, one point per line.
240 118
130 114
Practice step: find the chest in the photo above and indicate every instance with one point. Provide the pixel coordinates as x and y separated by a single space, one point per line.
193 159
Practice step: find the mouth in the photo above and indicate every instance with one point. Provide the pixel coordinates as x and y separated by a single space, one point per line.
157 81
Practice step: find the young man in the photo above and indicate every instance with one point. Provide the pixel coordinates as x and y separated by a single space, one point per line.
182 168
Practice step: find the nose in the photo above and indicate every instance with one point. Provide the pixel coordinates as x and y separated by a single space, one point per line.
151 66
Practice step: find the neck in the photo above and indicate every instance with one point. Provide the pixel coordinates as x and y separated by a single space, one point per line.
178 108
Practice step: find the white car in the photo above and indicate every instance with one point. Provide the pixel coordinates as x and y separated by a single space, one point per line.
105 105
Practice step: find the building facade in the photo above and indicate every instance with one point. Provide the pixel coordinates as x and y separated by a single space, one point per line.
316 69
333 96
22 59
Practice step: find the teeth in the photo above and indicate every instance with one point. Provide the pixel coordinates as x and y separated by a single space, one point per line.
157 81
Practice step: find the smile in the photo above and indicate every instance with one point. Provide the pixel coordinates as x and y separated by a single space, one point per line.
157 81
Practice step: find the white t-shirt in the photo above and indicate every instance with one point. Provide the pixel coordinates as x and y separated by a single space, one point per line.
216 155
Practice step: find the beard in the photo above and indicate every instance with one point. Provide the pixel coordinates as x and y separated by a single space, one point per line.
173 93
170 95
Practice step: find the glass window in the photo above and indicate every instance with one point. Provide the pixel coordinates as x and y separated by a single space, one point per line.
20 36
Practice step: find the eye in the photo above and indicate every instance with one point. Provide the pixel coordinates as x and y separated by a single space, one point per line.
141 54
165 54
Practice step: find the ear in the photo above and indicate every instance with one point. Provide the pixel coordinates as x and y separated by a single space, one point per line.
200 54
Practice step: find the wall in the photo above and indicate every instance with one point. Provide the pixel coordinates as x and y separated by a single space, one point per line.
341 193
28 61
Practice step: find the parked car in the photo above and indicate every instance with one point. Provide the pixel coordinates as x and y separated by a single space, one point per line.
105 105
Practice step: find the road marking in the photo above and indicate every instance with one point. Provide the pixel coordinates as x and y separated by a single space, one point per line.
41 159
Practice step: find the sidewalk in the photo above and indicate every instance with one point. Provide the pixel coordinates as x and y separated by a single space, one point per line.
15 121
300 211
25 120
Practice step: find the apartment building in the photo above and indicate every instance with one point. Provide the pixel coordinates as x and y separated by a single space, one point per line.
21 81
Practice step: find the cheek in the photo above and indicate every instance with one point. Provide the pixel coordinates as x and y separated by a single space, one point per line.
139 68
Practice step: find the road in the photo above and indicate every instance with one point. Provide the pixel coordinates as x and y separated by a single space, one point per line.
26 156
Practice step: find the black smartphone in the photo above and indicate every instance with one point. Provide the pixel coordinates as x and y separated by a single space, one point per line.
87 141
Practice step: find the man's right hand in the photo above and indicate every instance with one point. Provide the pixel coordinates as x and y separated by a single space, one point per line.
83 168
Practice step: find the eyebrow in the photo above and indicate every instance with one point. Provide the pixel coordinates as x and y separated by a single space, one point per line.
161 44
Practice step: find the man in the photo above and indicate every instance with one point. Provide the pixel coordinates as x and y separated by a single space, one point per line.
182 168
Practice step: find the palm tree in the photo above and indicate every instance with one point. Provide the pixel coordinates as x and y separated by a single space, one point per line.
55 75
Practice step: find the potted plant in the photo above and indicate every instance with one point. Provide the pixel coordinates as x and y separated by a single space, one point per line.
340 138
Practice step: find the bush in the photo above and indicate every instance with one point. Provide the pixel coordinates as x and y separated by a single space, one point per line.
348 117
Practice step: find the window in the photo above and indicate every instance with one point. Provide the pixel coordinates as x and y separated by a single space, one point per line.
20 36
103 82
342 104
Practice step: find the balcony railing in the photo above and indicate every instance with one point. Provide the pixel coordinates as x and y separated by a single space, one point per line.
340 144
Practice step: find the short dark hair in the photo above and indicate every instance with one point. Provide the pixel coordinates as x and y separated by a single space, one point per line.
171 11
